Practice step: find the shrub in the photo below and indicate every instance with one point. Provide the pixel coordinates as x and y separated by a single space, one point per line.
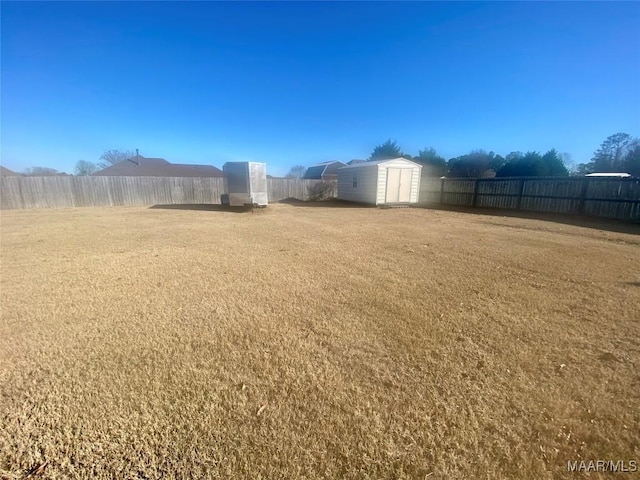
321 190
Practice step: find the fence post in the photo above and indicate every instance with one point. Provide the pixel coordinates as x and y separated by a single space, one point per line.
520 192
583 196
442 180
476 182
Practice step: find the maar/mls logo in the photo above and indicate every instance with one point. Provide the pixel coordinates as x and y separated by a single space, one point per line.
602 466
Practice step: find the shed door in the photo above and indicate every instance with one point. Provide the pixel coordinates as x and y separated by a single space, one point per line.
398 185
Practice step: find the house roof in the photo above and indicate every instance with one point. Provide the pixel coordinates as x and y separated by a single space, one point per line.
158 167
5 172
355 161
322 169
380 162
189 170
314 172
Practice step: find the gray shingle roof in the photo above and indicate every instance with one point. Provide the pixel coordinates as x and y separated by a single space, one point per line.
323 169
5 172
314 172
158 167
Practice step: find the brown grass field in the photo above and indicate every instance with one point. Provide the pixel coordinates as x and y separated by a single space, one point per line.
326 342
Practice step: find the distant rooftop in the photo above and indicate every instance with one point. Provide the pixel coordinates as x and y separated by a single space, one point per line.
323 170
5 172
618 175
157 167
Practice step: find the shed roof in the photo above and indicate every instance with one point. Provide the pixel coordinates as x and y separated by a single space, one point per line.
380 162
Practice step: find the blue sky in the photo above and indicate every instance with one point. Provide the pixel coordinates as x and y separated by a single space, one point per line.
299 83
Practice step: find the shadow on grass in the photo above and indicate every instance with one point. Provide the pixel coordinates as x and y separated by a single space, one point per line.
329 203
610 224
204 207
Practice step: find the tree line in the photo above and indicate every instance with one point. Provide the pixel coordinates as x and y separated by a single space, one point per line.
619 153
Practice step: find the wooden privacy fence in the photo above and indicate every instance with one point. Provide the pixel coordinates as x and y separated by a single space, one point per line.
603 197
281 188
69 191
600 197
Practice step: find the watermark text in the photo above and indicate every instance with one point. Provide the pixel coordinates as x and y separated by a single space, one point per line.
615 466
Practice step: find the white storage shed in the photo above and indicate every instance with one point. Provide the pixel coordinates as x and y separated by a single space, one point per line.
385 182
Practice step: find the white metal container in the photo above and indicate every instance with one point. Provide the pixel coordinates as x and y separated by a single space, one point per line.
245 183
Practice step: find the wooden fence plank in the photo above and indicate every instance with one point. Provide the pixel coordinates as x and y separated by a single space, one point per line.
11 193
605 197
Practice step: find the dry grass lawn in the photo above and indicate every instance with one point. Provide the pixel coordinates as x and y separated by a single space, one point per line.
303 342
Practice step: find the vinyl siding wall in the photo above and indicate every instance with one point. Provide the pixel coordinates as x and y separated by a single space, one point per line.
372 182
365 192
415 184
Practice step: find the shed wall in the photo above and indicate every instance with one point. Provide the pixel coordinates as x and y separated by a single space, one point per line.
415 184
372 182
366 191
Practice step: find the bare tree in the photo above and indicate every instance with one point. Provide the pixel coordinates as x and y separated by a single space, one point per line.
618 153
297 171
111 157
84 168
